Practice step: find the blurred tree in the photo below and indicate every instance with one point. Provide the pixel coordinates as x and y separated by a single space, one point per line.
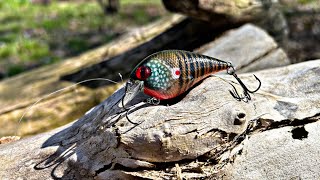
109 6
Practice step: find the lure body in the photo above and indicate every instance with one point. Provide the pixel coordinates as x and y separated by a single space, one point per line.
169 73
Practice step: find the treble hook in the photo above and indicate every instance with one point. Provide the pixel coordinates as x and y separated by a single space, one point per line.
246 91
124 107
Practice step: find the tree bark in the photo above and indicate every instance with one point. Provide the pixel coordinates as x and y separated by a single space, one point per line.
206 134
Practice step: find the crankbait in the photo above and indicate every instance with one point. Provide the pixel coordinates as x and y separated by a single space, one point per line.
168 74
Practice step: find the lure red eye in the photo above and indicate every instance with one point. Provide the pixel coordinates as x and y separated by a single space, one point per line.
143 72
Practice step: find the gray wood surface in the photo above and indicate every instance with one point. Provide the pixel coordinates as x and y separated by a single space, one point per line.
184 137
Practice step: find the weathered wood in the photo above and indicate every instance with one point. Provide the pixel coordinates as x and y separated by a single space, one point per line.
20 92
248 48
9 139
221 13
290 152
191 133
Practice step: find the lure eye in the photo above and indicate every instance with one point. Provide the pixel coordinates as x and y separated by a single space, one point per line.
143 72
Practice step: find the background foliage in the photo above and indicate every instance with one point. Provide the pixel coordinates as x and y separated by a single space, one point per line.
32 34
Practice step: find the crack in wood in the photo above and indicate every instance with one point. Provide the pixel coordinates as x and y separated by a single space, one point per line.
269 124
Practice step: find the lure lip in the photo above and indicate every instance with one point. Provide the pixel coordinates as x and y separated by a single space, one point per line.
132 88
134 85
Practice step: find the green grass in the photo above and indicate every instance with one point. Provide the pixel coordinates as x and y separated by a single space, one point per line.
32 35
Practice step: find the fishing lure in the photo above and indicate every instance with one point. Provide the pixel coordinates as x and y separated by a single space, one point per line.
168 74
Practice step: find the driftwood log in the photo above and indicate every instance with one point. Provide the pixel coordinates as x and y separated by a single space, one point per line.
205 134
221 12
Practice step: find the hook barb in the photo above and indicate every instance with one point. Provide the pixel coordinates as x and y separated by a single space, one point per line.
246 97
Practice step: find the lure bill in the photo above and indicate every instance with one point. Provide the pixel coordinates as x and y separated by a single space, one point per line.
167 74
131 90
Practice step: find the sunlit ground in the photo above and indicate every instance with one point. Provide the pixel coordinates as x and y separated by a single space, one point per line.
32 35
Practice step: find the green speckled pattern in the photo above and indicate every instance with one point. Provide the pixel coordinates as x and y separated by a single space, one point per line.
160 77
